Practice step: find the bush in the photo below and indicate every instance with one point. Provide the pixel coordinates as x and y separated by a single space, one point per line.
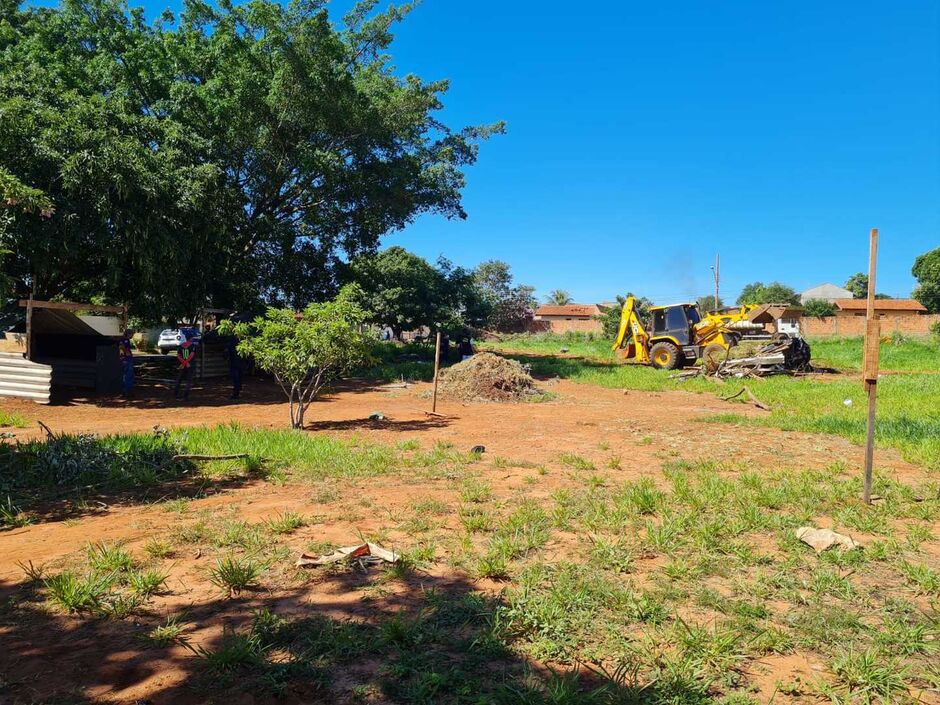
819 307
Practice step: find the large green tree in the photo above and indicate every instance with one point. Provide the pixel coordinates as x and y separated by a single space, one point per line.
406 292
232 154
927 270
773 293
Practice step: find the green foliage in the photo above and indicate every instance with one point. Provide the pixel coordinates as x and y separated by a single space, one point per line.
558 297
508 307
610 316
32 470
308 352
403 291
238 151
707 303
773 293
858 285
927 271
234 574
819 307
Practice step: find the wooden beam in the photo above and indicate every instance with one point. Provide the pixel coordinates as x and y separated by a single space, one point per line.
870 370
437 368
71 306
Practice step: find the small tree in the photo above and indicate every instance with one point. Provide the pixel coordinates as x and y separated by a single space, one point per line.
558 297
858 285
610 317
707 303
819 307
308 351
927 270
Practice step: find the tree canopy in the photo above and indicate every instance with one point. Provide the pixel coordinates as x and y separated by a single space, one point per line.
707 303
858 285
232 155
558 297
927 271
305 353
405 292
509 306
773 293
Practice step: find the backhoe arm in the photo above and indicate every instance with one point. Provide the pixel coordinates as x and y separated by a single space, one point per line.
631 334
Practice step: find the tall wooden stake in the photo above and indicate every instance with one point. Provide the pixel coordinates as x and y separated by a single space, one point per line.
29 328
870 374
437 367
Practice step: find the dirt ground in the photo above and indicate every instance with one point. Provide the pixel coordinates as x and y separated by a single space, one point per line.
100 661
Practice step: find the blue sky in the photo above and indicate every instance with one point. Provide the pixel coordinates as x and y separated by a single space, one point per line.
645 137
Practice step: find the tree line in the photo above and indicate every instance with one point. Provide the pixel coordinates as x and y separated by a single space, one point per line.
233 155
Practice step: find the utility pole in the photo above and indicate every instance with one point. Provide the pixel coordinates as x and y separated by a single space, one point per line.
716 270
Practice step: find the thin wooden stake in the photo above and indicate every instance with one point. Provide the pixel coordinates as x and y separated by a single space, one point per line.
437 367
872 351
29 328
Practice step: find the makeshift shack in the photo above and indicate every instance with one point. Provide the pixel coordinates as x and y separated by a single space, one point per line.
778 318
62 348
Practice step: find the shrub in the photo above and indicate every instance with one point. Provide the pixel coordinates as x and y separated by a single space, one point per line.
819 307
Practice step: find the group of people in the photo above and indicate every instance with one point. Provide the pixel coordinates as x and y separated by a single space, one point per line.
186 365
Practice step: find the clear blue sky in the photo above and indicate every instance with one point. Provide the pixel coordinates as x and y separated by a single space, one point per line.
643 137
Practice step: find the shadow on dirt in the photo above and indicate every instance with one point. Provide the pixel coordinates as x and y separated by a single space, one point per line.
411 638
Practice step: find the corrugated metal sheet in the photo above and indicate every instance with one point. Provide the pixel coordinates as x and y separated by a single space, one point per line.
24 379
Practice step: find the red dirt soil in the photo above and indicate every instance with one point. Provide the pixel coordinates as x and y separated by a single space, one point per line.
59 654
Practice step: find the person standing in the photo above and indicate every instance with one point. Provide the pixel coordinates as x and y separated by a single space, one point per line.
186 357
126 355
235 366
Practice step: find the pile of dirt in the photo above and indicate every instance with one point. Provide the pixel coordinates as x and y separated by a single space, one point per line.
487 377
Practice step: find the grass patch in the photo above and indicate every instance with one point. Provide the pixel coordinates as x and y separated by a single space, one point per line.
12 419
908 416
234 575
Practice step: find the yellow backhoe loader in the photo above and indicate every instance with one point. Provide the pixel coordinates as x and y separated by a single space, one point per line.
679 334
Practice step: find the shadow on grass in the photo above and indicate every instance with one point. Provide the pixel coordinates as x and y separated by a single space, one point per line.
66 476
412 638
385 424
547 367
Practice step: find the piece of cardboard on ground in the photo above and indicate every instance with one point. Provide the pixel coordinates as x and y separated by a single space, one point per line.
366 552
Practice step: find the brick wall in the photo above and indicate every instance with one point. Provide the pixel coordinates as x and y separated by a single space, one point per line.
561 325
855 325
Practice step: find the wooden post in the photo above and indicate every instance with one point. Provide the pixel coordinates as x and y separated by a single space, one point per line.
437 367
870 370
29 327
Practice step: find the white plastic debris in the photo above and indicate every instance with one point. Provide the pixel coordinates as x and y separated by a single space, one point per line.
363 553
823 539
848 402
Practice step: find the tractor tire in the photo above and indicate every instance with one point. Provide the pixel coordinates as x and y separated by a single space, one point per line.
665 356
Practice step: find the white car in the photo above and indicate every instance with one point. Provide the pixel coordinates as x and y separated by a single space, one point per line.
171 338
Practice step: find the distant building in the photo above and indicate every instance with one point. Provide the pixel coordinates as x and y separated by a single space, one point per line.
883 307
580 318
826 292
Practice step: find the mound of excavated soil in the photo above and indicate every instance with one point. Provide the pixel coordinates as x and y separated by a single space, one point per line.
486 377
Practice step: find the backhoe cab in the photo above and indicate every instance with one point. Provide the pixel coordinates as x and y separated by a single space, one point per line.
678 334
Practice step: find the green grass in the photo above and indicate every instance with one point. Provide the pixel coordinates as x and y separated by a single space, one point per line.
12 419
234 575
908 415
906 355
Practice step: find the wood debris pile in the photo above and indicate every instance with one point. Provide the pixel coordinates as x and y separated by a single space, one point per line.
782 355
